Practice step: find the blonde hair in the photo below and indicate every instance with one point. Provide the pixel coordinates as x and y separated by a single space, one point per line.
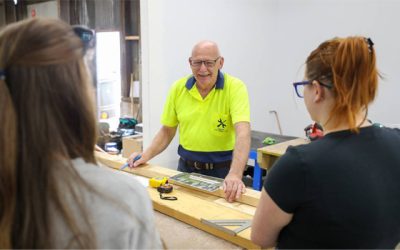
48 118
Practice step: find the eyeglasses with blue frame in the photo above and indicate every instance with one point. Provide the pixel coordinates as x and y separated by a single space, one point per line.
299 87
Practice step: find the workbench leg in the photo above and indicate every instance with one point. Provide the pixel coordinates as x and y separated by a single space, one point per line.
257 175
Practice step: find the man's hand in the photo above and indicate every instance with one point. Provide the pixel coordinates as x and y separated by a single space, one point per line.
233 187
135 159
159 143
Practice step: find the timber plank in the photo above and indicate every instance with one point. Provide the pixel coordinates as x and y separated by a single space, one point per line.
250 197
191 209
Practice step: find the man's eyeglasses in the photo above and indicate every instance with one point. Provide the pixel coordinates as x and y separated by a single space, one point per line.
86 35
207 63
299 87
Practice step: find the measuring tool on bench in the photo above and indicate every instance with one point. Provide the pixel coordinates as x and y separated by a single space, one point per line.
156 182
163 187
222 224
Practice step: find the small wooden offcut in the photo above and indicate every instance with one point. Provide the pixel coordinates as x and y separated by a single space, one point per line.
266 156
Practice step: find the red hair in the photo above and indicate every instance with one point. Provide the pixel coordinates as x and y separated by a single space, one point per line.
349 64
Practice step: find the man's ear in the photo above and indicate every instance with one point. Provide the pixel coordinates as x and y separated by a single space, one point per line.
319 91
221 63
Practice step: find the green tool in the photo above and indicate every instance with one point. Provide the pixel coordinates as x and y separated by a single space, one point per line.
269 141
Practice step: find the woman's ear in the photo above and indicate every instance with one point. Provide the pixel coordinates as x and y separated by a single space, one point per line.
319 91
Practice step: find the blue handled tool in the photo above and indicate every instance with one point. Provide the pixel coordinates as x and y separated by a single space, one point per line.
127 164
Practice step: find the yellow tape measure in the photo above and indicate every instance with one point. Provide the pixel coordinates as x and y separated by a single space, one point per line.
165 189
156 182
161 183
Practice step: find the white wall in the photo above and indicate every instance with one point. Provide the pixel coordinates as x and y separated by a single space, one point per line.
265 43
45 9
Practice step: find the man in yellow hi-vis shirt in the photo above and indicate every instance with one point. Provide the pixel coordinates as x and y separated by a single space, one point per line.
212 111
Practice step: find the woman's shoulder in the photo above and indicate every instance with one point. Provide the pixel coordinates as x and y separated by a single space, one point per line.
122 203
393 131
107 179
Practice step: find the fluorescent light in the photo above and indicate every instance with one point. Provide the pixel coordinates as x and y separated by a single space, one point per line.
15 2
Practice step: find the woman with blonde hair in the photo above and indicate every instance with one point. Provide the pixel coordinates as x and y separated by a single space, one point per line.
52 193
340 191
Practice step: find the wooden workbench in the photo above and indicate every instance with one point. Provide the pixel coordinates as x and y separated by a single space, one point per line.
193 205
180 235
266 156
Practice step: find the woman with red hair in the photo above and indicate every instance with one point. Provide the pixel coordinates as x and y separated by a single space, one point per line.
343 190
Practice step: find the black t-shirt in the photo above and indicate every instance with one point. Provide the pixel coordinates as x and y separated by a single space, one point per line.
343 190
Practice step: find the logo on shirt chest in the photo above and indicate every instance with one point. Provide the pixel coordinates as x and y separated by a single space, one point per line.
221 125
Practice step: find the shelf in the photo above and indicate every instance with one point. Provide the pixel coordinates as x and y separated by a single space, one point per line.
132 38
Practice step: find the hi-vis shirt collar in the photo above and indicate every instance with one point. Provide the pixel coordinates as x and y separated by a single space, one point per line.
219 85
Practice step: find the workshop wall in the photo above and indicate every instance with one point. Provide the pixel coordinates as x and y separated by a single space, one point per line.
2 15
265 43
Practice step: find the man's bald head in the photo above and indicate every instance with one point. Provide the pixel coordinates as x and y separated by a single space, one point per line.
207 47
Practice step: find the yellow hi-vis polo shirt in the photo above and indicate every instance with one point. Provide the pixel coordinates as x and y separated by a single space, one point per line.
207 125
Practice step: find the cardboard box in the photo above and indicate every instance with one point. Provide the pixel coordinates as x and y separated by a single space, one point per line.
131 144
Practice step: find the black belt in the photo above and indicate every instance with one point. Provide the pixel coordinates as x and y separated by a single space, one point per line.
206 165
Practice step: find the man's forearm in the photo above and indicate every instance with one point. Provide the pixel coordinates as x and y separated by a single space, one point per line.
242 148
160 141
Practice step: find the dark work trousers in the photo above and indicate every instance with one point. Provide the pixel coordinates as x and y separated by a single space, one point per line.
216 172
